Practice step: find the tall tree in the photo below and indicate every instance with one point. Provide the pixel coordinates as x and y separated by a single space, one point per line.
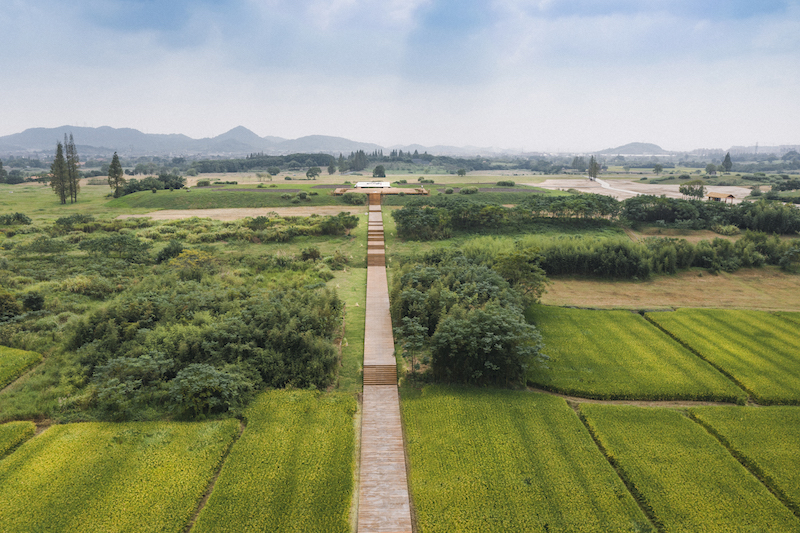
73 173
727 163
3 173
115 176
59 177
594 168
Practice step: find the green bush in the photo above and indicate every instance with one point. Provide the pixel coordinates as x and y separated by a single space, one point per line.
201 389
354 198
506 183
468 190
448 190
203 183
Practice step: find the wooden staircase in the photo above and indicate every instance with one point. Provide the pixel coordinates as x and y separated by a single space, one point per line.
380 375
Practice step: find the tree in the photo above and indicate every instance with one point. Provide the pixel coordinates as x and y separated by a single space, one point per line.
711 168
15 176
579 163
522 269
693 189
594 168
331 168
727 163
313 172
462 172
413 334
658 168
73 171
58 175
3 173
379 172
115 176
273 171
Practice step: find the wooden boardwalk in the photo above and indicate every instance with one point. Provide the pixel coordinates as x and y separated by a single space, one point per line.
383 502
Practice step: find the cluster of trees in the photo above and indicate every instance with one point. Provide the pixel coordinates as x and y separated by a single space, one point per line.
64 172
259 160
162 339
468 317
163 181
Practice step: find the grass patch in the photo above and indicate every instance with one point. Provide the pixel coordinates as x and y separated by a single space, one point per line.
686 478
766 440
352 289
292 469
499 460
111 477
759 350
619 355
13 434
14 362
219 199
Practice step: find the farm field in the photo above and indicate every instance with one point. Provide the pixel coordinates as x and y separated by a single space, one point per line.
292 469
767 440
765 288
14 433
683 475
759 350
619 355
14 362
111 477
529 466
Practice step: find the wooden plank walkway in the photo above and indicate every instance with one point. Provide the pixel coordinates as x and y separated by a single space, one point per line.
383 502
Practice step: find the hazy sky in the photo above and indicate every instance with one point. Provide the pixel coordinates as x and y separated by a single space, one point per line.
566 75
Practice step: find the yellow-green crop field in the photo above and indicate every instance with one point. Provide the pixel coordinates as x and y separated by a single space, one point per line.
498 460
759 350
13 433
111 477
766 439
619 355
793 316
14 362
686 478
292 469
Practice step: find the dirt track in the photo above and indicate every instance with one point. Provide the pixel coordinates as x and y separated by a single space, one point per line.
239 213
671 191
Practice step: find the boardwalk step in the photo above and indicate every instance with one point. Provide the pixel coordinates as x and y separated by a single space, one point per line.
380 375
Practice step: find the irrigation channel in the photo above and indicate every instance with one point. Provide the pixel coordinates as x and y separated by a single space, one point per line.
383 502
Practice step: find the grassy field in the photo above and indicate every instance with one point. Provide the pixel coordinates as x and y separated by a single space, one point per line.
498 460
765 288
207 198
292 469
683 475
111 477
767 440
619 355
14 362
352 288
759 350
14 433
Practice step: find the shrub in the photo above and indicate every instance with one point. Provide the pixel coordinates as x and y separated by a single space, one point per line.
12 219
9 307
203 183
354 198
302 195
33 301
506 183
202 389
310 254
172 249
448 190
468 190
286 196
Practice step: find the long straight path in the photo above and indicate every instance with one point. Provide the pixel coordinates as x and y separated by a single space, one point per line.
383 502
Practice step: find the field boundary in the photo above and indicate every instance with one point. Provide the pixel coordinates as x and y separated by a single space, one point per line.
212 483
750 394
665 404
638 497
749 465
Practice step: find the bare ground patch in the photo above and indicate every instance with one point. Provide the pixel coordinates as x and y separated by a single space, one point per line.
670 191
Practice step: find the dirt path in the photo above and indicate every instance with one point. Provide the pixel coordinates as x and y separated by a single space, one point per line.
239 213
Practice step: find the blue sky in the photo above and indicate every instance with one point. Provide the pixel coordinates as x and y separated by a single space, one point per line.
568 75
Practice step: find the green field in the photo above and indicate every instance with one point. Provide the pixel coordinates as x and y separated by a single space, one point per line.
498 460
619 355
14 433
759 350
682 474
292 469
111 477
766 440
228 198
14 362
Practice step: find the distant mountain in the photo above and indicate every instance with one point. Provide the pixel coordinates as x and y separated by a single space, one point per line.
323 143
635 149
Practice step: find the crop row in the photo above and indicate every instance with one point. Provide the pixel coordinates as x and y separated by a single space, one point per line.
14 362
111 477
13 433
619 355
685 477
759 350
292 469
499 460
